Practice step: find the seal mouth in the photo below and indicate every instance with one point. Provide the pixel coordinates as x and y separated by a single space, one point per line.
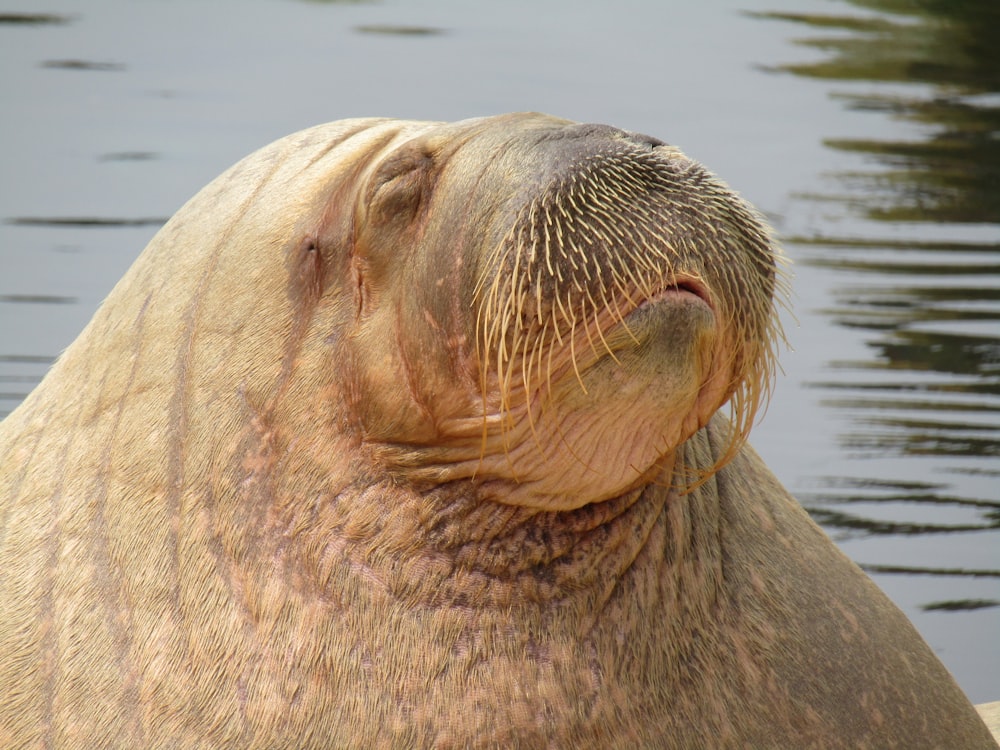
683 290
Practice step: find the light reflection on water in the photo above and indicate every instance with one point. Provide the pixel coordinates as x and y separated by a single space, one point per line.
895 227
918 279
928 311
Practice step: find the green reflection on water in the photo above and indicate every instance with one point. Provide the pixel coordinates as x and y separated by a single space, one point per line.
952 46
927 310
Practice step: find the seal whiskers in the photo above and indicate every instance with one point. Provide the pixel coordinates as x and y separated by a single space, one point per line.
559 253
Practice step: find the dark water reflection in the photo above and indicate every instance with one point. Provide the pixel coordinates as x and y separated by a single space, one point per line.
953 174
83 65
32 19
394 30
927 392
83 222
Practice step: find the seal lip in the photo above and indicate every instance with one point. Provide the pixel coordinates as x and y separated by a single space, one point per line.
683 289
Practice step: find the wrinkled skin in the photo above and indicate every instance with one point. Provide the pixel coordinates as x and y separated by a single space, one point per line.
356 455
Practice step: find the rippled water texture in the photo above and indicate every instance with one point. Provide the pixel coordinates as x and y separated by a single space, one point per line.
869 132
905 233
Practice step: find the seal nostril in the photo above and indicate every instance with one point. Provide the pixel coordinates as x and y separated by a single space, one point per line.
607 132
587 130
644 140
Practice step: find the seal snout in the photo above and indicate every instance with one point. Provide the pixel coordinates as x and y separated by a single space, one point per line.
628 277
597 135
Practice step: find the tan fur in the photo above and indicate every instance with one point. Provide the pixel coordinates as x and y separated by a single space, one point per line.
354 457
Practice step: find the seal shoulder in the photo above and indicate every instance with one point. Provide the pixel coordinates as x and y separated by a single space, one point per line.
833 647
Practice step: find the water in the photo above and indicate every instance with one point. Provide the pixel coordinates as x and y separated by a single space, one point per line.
870 140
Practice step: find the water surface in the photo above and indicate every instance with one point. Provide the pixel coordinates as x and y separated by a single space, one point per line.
868 132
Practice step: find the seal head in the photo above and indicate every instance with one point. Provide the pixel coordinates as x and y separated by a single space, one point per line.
596 298
401 434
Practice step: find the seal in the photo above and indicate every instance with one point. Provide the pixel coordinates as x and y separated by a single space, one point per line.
991 715
407 434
